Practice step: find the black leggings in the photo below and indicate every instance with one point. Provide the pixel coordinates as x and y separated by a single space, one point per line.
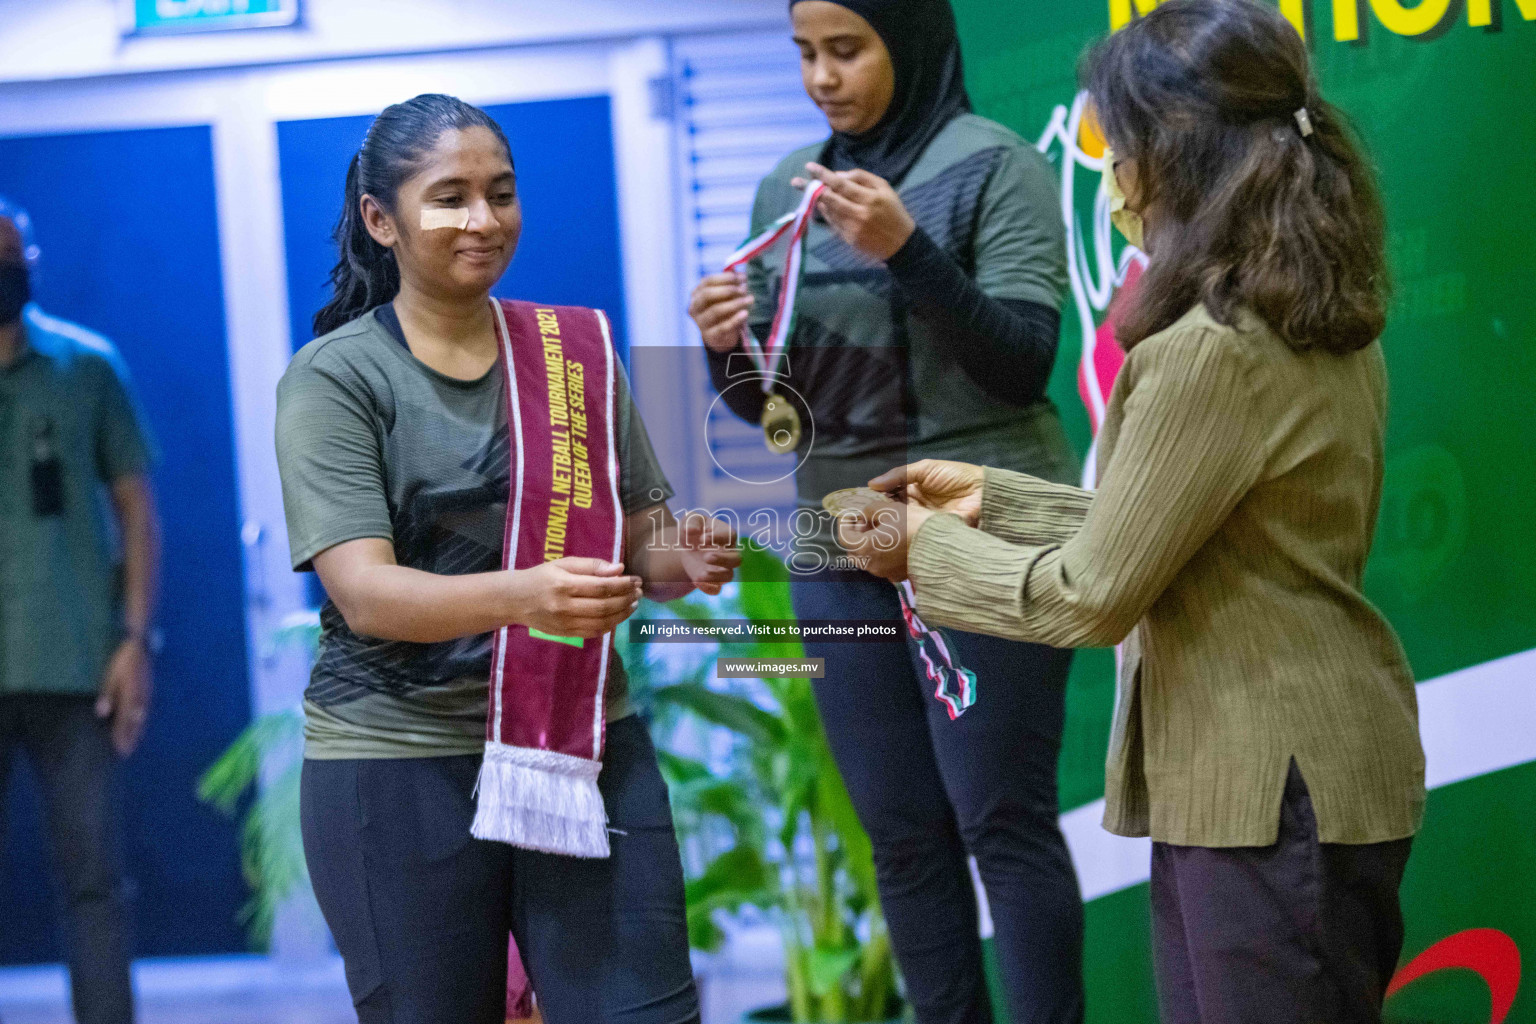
421 911
1291 933
80 779
930 790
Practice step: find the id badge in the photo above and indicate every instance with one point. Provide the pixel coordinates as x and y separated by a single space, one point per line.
47 471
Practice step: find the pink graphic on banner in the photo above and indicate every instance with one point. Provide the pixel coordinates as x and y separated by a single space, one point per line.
1101 364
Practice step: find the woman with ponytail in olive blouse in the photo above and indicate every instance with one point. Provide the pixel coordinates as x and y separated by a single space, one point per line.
1266 736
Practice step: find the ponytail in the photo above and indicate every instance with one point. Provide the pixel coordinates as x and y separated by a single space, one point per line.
366 275
1265 199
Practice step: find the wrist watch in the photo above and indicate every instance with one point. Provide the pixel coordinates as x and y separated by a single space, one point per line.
151 637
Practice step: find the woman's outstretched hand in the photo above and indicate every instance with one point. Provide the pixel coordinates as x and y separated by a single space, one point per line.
584 597
710 553
720 306
939 485
863 209
877 535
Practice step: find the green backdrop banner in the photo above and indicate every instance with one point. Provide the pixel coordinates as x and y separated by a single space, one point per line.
1443 94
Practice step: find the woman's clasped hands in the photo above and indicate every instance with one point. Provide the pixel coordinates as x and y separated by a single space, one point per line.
862 209
588 597
577 597
879 534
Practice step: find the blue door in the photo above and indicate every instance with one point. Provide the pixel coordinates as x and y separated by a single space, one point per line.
128 229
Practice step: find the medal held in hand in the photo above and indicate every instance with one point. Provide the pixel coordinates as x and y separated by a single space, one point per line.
781 422
854 499
954 685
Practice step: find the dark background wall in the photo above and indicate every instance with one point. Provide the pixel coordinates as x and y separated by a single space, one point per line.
129 234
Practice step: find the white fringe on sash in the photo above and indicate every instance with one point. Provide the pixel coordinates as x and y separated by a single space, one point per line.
541 800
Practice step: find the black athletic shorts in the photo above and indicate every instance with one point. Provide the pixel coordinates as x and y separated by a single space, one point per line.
420 910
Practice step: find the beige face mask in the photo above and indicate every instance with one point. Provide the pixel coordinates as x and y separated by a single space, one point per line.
1127 222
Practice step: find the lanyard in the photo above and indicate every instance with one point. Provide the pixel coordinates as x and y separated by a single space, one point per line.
794 224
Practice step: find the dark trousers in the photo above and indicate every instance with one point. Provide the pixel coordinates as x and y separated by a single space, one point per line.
421 911
930 791
1300 932
72 757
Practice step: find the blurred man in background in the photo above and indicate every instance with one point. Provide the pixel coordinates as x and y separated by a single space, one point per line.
79 550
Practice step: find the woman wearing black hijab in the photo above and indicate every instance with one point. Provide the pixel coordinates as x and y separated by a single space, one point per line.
925 327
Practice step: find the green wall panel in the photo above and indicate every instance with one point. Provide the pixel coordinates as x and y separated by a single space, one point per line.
1448 118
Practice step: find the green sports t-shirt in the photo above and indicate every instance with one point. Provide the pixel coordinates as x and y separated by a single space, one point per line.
371 442
69 428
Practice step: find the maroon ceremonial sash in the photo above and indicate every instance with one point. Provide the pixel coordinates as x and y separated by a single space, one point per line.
544 737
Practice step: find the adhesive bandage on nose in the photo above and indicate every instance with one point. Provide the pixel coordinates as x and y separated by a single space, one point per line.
433 219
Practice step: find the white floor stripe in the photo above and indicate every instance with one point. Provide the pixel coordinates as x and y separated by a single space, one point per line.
1105 862
1474 721
172 977
1479 720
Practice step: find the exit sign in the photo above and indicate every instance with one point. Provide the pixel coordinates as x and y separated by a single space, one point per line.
158 16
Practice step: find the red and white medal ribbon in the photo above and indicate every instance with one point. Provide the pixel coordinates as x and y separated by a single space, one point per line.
954 685
794 224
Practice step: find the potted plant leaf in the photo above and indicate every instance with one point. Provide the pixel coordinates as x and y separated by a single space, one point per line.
779 831
266 759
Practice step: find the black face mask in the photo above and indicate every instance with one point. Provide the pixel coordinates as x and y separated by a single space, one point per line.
15 291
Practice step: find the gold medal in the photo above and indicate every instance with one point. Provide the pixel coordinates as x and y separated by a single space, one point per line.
854 499
781 424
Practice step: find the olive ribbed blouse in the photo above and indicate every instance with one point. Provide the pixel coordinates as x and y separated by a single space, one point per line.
1238 492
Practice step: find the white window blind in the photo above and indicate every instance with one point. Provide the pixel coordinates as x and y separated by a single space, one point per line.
739 107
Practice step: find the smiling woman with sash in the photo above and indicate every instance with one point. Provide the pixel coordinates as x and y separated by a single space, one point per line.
471 481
